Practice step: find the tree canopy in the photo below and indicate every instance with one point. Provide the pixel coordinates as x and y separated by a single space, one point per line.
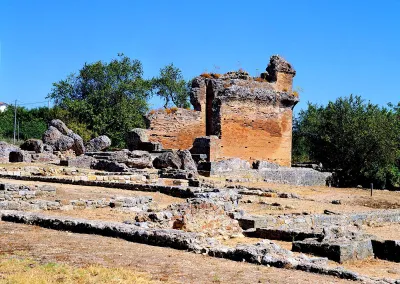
358 140
106 98
171 86
112 98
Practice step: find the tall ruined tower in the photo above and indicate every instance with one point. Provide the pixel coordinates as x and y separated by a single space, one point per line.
249 118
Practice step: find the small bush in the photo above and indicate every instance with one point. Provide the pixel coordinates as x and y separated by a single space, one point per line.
171 110
215 75
206 75
295 94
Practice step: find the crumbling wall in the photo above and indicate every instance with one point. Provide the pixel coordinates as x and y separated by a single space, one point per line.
176 128
252 117
253 131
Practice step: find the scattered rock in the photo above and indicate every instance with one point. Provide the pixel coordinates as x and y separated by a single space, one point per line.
188 163
80 162
259 165
58 141
151 146
98 144
139 160
78 146
110 166
20 157
231 165
168 160
338 243
35 145
5 150
135 137
60 126
60 138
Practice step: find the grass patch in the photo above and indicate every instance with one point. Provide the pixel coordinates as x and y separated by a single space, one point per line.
17 269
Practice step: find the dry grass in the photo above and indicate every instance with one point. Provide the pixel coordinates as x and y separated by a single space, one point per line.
17 269
259 79
171 110
206 75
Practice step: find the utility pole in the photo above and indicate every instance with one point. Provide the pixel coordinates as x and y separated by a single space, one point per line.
48 104
15 118
18 131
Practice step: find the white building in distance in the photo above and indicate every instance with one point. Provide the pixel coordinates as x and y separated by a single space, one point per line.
3 106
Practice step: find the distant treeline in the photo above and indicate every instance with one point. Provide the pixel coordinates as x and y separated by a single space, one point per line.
358 140
101 98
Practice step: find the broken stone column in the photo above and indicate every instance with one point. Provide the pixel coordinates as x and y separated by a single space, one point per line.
280 72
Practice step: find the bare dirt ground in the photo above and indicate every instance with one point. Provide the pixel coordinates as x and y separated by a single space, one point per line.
162 264
170 265
290 206
385 231
320 197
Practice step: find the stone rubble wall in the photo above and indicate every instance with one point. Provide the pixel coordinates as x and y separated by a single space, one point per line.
177 191
236 169
176 129
316 222
11 192
264 253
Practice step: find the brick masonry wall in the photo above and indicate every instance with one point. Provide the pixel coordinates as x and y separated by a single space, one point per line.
284 82
177 129
252 131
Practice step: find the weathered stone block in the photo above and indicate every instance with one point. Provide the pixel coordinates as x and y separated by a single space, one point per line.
35 145
387 249
20 156
79 162
135 137
150 146
98 144
336 251
5 150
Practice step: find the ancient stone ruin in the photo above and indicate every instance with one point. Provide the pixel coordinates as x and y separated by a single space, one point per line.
215 181
235 115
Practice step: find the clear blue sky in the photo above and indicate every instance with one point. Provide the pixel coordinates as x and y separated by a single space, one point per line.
337 47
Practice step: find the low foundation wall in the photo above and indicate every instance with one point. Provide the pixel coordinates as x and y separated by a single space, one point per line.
317 221
176 239
176 191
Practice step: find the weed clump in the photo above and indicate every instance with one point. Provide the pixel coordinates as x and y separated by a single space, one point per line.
171 110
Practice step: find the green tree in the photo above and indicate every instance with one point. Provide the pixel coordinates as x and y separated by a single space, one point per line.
32 122
360 141
104 98
171 86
